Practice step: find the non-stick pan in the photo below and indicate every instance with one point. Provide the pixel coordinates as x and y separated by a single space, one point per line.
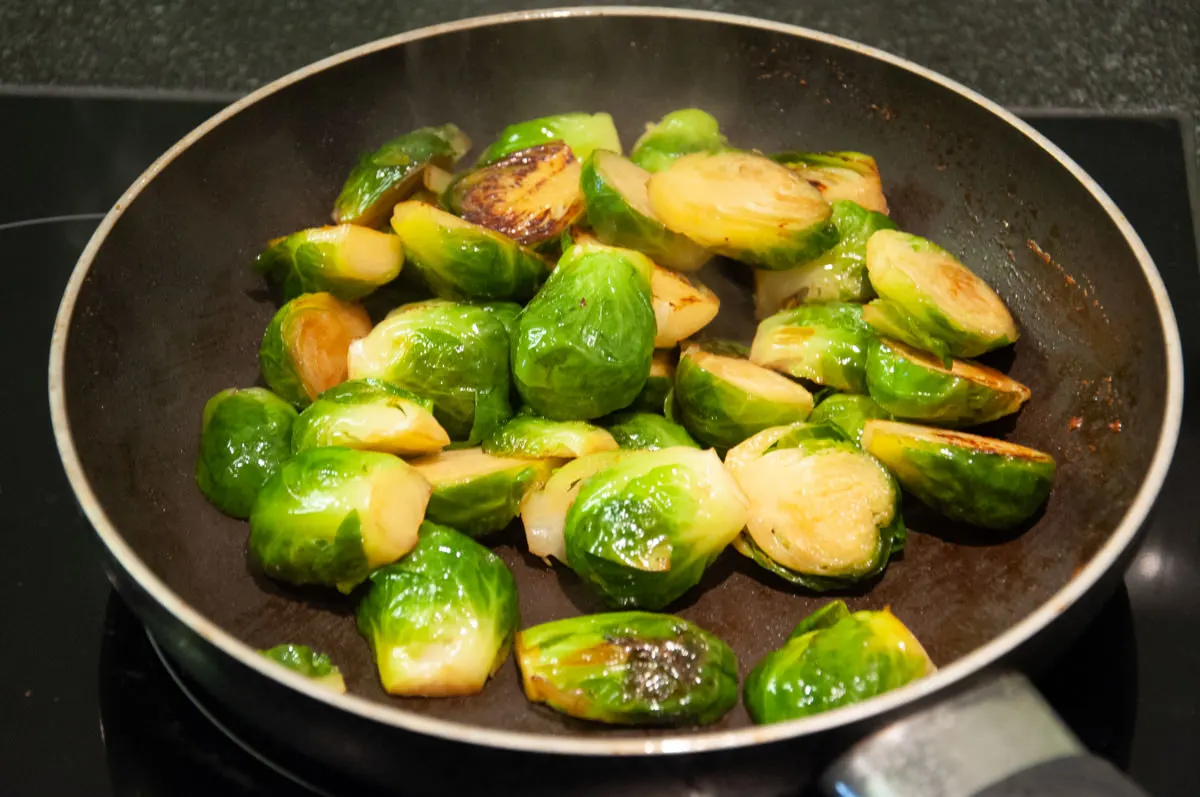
163 311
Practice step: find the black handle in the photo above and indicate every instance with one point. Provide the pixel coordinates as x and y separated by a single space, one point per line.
1074 776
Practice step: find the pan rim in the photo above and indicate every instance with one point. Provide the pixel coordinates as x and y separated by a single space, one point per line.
669 742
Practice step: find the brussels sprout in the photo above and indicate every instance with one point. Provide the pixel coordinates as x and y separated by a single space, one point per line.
682 307
645 430
582 347
848 413
743 206
912 384
372 415
723 400
348 261
384 177
544 511
454 354
629 668
244 439
677 134
461 260
825 343
582 132
303 351
317 667
478 493
930 300
833 659
823 514
837 275
618 210
529 435
332 515
643 530
658 383
990 483
440 621
530 196
839 175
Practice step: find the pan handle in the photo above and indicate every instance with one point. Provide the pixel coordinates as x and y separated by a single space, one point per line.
997 739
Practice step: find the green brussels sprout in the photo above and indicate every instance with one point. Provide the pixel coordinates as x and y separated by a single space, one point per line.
848 413
303 351
823 514
454 354
372 415
833 659
743 206
582 132
629 668
317 667
930 300
440 621
530 435
348 261
658 383
824 343
990 483
476 492
583 346
332 515
643 530
677 134
389 174
544 510
618 210
647 431
531 196
839 175
244 439
462 260
837 275
914 385
682 307
723 400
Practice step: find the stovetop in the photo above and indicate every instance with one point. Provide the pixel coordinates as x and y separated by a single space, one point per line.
86 707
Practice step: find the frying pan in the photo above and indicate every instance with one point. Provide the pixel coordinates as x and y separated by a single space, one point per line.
163 311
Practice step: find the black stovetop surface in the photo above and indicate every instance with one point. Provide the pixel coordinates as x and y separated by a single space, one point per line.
85 706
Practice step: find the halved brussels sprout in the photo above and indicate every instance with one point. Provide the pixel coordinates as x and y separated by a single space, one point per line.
478 493
658 383
245 437
647 431
911 384
395 170
348 261
930 300
529 435
618 210
825 343
452 353
990 483
583 346
629 668
833 659
582 132
743 206
839 175
440 621
723 400
461 260
303 351
823 514
677 134
643 530
837 275
544 511
848 413
332 515
682 307
372 415
317 667
531 195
